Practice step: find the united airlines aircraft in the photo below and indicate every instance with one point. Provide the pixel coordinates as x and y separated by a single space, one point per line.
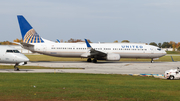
11 55
96 51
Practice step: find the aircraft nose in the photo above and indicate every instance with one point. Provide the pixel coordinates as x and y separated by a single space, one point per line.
22 58
164 52
25 59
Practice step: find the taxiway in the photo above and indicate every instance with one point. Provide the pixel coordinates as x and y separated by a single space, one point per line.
100 68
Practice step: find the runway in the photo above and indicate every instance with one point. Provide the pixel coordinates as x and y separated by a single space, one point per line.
99 68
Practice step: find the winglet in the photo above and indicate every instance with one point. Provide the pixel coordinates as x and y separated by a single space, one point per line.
87 43
58 41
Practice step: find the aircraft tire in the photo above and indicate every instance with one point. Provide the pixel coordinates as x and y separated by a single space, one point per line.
89 60
16 69
171 77
94 60
151 60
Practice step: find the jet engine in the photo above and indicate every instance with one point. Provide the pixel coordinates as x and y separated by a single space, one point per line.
22 63
113 57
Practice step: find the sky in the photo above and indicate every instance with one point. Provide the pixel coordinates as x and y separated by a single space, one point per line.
142 21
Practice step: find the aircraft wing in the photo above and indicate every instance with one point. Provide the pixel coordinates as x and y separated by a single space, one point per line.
92 52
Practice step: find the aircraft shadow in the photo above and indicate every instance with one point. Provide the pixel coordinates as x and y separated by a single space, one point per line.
12 70
99 62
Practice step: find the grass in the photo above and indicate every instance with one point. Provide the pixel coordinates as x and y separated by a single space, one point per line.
173 52
50 58
75 87
94 87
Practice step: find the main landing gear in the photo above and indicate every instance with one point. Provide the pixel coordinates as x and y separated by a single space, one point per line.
89 60
152 60
94 60
16 68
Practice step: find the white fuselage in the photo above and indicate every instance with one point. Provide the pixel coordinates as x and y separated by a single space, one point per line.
126 50
10 55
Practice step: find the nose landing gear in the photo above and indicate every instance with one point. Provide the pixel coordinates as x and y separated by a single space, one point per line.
16 68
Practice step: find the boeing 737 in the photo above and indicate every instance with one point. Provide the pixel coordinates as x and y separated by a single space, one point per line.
11 55
96 51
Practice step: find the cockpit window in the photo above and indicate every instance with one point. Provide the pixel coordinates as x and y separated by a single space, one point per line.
12 51
16 51
159 49
9 51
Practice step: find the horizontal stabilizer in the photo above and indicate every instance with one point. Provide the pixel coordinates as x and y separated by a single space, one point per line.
26 44
17 43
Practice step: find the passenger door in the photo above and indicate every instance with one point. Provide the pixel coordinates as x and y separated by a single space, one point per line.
44 48
152 50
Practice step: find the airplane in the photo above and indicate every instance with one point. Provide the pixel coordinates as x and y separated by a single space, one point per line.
96 51
11 55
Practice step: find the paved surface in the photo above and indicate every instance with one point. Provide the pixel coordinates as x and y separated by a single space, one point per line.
100 68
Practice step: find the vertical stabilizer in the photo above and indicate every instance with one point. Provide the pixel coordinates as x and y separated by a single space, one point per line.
29 35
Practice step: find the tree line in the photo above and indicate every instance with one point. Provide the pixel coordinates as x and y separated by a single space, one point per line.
170 44
20 40
11 43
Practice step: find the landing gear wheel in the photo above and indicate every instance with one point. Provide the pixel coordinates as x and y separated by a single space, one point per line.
94 60
89 60
16 69
171 77
151 60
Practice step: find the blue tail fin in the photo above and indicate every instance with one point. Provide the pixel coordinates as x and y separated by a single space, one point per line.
29 35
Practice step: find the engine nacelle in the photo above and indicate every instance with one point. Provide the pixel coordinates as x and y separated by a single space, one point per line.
113 57
22 63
